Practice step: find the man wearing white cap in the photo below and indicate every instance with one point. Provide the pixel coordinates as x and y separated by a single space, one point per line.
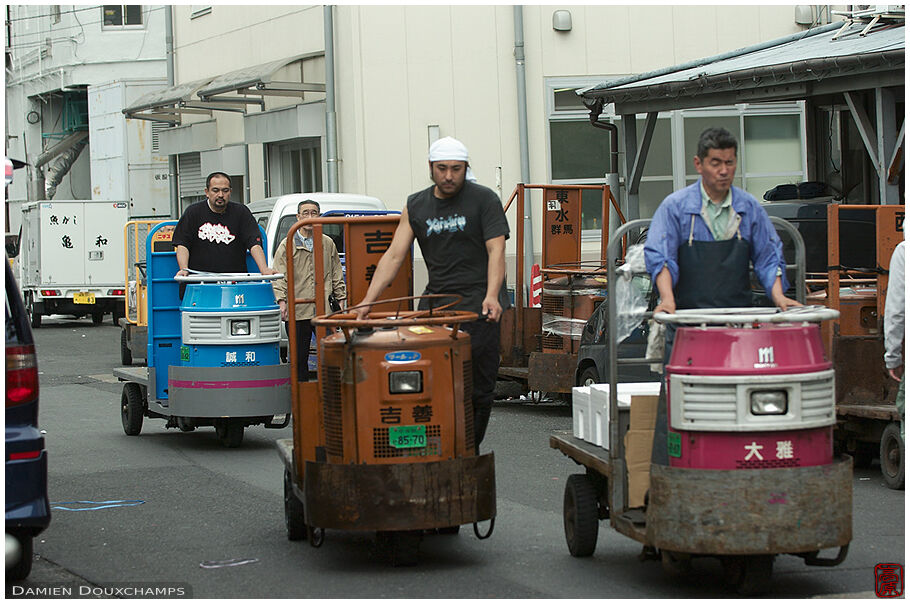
462 232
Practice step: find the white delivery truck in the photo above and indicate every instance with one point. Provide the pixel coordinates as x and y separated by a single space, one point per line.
71 258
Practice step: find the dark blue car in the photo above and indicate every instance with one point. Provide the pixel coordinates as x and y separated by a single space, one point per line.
27 509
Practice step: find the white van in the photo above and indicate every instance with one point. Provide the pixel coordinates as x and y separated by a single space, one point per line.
278 214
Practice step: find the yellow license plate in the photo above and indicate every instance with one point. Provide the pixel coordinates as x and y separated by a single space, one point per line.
83 298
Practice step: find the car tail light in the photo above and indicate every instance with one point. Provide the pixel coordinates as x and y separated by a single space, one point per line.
50 292
21 375
24 455
115 292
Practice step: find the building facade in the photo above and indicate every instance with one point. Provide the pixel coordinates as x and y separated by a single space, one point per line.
55 55
406 75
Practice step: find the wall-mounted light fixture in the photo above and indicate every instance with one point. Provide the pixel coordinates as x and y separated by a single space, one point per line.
562 20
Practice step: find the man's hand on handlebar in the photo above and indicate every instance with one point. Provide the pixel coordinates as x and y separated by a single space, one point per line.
183 273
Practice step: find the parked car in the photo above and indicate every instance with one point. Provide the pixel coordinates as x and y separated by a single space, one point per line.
27 508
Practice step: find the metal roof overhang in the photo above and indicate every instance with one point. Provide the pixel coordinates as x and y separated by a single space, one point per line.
259 81
812 66
168 104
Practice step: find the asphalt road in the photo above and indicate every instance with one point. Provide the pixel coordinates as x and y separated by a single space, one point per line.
209 522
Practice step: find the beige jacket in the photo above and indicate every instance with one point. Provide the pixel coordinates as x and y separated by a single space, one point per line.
305 280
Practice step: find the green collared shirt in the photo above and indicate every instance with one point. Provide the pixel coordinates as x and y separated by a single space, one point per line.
717 214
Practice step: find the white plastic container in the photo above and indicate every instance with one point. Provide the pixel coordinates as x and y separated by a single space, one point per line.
581 412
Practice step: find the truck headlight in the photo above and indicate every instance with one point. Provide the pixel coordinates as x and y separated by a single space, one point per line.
240 328
769 402
405 382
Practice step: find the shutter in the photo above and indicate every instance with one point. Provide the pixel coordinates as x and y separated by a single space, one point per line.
189 175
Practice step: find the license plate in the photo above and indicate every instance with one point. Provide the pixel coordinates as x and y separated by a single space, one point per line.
408 437
83 298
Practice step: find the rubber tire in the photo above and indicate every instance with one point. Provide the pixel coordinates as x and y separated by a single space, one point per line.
294 512
863 454
579 515
22 568
748 575
401 547
185 424
230 433
97 318
891 453
132 408
126 355
449 530
33 314
116 315
675 564
588 373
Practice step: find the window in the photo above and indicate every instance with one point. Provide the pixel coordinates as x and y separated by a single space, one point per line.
770 135
121 15
296 166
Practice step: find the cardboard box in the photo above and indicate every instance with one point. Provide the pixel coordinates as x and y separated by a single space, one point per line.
581 412
638 464
643 412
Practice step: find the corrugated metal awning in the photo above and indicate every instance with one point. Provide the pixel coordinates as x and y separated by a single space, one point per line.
259 80
822 61
167 104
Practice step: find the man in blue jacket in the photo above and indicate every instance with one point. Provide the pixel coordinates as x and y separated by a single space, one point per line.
700 243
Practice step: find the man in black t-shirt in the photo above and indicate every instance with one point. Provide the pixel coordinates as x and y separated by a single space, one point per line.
462 231
214 235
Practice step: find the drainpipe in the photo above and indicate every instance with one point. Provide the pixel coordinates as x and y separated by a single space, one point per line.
171 159
523 138
331 133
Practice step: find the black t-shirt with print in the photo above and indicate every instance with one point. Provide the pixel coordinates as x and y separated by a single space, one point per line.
452 234
217 242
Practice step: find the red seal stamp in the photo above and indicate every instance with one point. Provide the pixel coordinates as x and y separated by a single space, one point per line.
889 580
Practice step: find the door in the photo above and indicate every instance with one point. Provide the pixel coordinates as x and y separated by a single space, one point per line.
62 243
104 242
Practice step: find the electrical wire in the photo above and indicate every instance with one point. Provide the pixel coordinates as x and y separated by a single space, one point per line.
79 25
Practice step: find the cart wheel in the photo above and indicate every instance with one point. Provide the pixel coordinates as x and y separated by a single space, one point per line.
402 547
131 408
294 514
892 456
588 376
32 313
748 575
23 566
449 530
579 514
230 433
185 424
97 318
675 564
116 315
126 355
863 454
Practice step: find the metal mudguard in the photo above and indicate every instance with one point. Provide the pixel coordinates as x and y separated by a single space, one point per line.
774 511
229 391
401 496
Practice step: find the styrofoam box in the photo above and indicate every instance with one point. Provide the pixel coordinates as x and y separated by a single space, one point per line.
581 411
598 431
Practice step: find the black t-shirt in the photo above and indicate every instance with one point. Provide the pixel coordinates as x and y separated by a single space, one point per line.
217 242
452 234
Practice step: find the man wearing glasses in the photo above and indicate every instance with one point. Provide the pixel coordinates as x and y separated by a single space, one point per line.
213 236
305 281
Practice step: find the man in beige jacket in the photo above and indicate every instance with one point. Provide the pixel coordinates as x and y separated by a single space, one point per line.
305 281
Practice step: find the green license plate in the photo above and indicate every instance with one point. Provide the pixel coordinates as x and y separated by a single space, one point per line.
408 437
674 444
83 298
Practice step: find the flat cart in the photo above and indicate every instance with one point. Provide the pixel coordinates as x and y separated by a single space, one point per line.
752 474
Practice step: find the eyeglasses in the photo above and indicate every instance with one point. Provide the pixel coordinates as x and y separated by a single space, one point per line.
308 213
217 191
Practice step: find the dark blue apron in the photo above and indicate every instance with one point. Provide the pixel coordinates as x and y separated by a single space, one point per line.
713 274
